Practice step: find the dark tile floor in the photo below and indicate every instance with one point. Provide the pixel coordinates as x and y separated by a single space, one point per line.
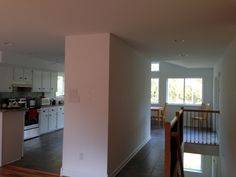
43 153
149 162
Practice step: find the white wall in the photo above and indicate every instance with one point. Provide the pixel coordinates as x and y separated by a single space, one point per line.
129 103
85 143
168 70
226 72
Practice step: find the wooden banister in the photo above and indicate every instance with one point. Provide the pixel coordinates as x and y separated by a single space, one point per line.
173 146
200 110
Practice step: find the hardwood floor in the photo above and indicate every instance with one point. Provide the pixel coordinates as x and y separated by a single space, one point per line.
13 171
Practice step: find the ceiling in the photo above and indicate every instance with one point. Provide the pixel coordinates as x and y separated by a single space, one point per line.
191 33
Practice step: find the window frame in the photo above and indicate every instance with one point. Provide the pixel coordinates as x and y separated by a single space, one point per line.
184 103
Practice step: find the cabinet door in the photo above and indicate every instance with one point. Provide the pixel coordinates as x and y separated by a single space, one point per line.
46 81
37 81
18 75
6 79
27 77
53 82
52 119
43 121
60 117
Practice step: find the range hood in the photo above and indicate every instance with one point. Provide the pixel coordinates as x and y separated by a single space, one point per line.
24 85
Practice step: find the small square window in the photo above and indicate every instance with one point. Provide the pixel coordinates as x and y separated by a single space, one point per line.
193 162
155 67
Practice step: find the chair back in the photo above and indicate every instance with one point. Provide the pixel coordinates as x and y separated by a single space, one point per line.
164 110
205 106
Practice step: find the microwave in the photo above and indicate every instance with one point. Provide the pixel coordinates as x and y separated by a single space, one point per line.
45 101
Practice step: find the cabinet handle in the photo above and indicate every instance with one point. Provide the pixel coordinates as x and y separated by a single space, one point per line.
20 77
9 87
25 78
39 88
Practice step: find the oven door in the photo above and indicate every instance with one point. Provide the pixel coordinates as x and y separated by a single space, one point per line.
31 117
31 128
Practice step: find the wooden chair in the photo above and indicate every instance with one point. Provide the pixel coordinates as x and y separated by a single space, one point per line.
202 117
160 115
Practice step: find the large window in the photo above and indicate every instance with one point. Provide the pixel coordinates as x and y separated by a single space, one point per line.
154 90
193 162
60 85
184 90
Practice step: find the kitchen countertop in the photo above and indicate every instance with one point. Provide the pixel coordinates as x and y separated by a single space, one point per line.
12 109
48 106
25 109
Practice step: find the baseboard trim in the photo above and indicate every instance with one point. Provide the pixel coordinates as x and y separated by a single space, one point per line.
122 165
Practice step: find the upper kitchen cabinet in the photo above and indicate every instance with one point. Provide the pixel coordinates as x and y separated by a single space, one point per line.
41 81
23 75
54 81
46 81
6 79
37 81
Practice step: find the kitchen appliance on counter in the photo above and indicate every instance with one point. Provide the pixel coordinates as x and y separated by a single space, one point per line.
45 101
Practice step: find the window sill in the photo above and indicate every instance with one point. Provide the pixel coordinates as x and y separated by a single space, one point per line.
193 171
179 104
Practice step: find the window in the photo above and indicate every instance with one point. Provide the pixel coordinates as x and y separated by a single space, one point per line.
193 162
154 90
155 67
60 85
184 91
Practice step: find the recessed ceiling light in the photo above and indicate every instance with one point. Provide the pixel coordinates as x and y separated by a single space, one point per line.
8 43
184 55
179 40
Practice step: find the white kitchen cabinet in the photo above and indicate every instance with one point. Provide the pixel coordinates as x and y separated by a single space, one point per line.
53 82
43 121
46 81
6 79
21 75
60 117
28 76
37 81
18 74
52 119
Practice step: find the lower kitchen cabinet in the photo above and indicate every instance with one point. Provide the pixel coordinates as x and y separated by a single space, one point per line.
43 121
60 117
51 119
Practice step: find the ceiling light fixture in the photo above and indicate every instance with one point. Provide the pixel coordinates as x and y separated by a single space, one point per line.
179 40
184 55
